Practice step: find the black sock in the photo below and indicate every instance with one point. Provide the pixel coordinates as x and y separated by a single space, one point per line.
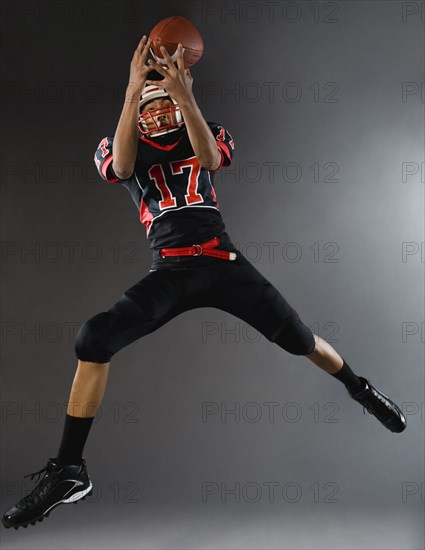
348 378
74 438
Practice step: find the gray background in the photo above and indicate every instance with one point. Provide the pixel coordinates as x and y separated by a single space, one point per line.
342 480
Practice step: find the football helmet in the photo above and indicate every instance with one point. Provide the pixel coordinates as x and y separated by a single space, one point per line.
155 117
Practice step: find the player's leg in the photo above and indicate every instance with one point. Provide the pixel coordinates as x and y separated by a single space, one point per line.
325 356
141 309
88 388
87 392
328 359
244 292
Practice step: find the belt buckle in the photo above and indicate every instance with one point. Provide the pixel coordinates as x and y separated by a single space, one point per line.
198 249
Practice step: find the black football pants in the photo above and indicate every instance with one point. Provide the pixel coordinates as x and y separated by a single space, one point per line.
233 286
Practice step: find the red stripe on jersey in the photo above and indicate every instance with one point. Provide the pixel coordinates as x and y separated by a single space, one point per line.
158 146
225 149
146 216
105 168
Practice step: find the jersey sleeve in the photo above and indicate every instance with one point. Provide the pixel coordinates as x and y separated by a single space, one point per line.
103 159
225 144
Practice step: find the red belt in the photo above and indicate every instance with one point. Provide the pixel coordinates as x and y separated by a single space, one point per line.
206 249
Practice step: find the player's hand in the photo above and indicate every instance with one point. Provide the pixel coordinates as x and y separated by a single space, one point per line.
138 68
177 80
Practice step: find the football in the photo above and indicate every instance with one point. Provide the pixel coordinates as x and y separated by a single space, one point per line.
169 32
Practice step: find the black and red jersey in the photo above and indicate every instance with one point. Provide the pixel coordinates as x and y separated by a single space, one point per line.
175 197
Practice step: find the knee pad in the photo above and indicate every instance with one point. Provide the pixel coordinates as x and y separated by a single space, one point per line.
91 343
295 337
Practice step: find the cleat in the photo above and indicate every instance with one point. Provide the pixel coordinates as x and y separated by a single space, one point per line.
60 484
380 406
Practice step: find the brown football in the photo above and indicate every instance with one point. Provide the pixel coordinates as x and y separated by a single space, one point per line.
169 32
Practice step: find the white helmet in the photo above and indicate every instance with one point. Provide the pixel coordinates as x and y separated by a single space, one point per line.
150 93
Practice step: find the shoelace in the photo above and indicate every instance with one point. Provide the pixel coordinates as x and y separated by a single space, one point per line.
365 404
37 492
369 407
39 473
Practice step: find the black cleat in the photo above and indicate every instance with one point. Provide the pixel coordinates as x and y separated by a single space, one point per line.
61 484
381 406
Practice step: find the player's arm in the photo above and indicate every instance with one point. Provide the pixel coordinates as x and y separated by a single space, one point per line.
124 148
178 83
201 138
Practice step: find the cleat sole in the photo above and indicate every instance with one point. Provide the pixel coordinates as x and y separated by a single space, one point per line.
75 497
25 525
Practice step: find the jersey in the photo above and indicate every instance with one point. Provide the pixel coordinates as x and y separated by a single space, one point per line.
174 195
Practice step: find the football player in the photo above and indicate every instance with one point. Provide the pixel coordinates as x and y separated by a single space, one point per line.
166 154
